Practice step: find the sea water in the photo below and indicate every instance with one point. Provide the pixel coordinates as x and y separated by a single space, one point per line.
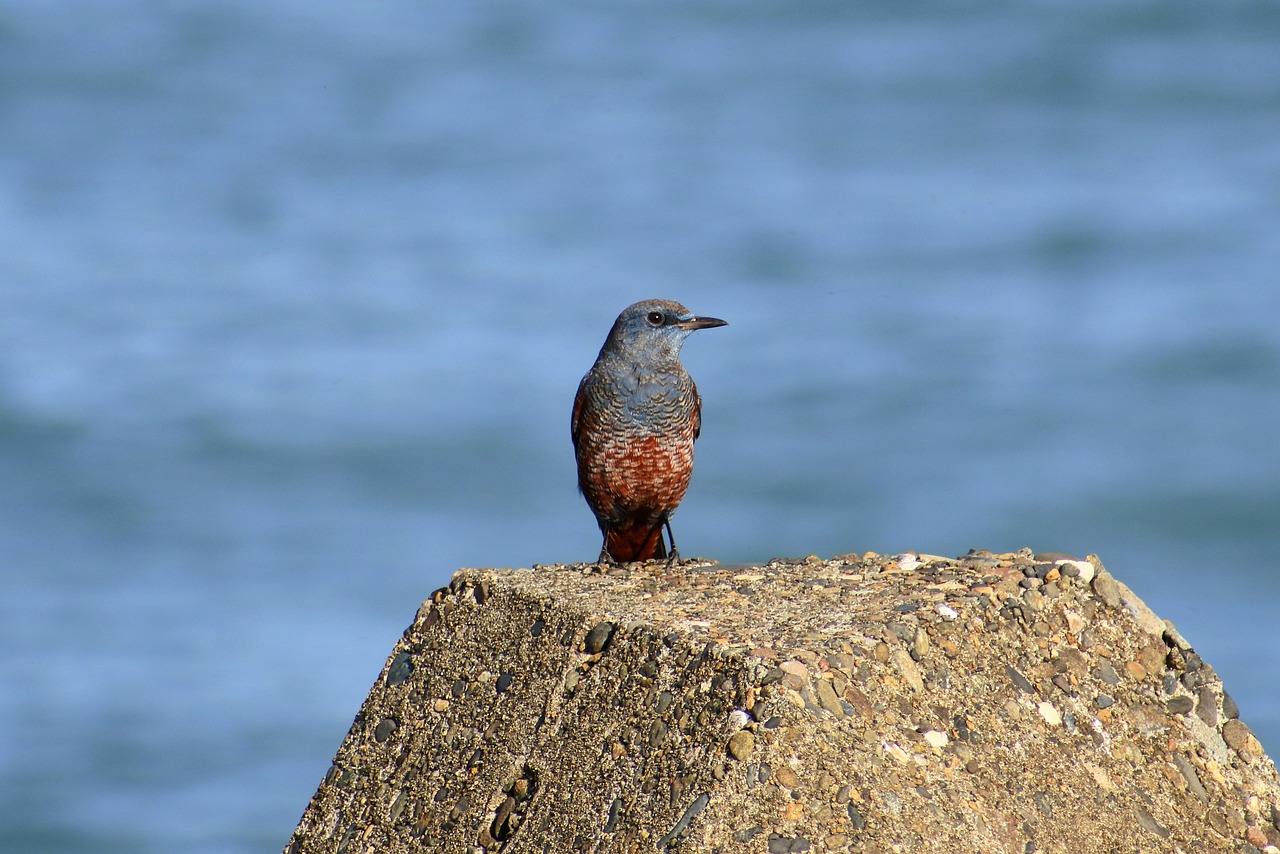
294 298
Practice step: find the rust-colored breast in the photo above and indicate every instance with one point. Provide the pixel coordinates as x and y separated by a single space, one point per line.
639 479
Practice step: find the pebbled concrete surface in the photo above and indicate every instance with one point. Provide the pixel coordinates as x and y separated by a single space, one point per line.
1015 702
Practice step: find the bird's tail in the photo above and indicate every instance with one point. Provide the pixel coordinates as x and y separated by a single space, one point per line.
635 543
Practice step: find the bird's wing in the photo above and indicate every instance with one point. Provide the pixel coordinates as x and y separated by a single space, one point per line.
697 411
575 423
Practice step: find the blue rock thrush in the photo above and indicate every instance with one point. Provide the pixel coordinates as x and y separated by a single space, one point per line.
635 417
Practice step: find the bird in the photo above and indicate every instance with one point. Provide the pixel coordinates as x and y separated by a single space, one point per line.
635 418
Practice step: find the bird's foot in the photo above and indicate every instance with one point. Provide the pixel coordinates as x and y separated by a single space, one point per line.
674 557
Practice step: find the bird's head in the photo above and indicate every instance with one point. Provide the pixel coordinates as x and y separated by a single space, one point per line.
655 329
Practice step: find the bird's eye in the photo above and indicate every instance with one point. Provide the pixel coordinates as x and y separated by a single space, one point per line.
655 318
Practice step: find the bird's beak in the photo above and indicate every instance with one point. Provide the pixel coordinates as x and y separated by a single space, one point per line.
693 323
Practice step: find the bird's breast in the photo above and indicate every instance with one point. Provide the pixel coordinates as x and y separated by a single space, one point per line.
639 477
639 400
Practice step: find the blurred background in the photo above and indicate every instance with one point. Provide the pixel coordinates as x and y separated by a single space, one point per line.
294 298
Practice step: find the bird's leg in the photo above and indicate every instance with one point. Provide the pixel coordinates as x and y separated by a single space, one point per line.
675 555
605 558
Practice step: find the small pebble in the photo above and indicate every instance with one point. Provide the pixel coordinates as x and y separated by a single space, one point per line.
1148 821
827 698
1053 557
666 698
694 808
741 744
1075 623
1193 679
910 672
1207 706
401 669
598 637
1105 588
1188 772
1106 672
1240 739
1018 679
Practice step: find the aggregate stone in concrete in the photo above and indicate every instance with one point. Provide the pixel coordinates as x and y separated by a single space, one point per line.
860 703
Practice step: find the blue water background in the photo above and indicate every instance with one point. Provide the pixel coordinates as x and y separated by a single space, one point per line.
294 298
